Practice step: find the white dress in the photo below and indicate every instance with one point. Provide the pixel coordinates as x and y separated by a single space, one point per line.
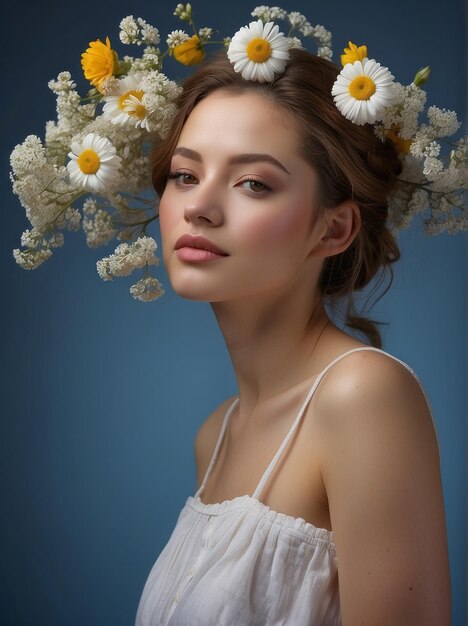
238 563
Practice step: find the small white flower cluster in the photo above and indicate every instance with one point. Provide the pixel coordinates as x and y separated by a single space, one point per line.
41 186
408 103
38 248
147 289
297 20
149 60
72 219
269 14
299 23
205 33
429 182
97 224
64 82
128 257
176 37
295 42
138 32
31 259
159 97
27 156
323 38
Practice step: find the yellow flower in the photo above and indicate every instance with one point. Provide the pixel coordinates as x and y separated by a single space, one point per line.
402 145
99 62
189 52
353 53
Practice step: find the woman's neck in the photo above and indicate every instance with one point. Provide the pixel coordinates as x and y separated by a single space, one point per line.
272 342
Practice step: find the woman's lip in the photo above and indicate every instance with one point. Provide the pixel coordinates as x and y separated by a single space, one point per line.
199 242
197 255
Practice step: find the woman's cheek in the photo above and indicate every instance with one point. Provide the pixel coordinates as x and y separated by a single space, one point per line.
278 227
164 207
167 221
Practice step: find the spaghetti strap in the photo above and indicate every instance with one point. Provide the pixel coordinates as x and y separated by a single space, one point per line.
214 456
295 424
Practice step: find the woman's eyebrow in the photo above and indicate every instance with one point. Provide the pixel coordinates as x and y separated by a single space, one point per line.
234 160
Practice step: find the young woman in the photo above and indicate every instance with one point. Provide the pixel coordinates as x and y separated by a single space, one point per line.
319 499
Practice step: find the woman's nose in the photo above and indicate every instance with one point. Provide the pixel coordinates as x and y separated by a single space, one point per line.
204 206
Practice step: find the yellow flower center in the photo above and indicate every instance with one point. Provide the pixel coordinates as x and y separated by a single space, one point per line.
89 162
139 112
126 95
258 50
362 88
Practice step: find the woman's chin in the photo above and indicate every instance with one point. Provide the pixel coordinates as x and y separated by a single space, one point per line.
191 291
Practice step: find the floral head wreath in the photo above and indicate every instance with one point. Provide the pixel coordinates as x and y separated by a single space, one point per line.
92 170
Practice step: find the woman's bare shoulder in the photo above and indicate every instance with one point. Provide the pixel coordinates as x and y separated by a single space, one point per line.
206 436
372 389
369 396
365 375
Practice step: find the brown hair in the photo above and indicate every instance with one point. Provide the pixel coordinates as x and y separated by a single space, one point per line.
351 162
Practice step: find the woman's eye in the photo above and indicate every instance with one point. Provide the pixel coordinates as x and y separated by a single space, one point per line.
183 178
255 185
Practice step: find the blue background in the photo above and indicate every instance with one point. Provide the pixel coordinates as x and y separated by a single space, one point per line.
102 395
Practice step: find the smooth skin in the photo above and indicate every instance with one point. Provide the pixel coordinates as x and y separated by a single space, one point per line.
366 460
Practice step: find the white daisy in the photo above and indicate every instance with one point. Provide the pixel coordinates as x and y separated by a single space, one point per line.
125 105
137 112
259 51
93 163
363 90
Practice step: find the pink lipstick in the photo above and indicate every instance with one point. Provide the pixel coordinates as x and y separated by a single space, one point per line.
197 249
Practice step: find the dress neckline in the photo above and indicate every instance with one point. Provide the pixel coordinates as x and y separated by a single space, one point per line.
296 524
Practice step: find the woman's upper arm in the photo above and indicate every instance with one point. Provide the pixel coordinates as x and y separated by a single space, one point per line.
380 468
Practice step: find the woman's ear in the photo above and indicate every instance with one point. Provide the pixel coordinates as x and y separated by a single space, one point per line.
339 227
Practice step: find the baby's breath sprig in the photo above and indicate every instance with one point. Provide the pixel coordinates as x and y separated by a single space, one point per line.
432 183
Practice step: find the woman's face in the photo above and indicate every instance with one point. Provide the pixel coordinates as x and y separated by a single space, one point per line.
236 179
